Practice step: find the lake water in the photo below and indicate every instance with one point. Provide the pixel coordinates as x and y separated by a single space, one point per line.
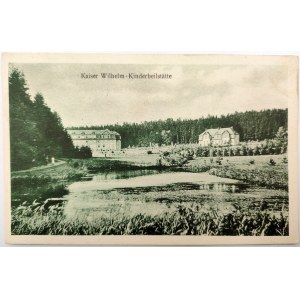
155 192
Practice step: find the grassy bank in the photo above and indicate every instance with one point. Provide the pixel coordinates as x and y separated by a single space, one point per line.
186 220
267 171
42 183
60 172
187 210
117 164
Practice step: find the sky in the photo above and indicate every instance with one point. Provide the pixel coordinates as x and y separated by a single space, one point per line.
194 91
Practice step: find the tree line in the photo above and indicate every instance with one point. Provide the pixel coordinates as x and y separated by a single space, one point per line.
36 132
251 125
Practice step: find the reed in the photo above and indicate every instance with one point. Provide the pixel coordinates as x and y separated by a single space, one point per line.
186 220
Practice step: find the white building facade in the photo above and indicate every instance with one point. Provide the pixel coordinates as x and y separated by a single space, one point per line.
103 143
219 137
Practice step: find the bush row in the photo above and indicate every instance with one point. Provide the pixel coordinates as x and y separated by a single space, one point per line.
240 151
178 156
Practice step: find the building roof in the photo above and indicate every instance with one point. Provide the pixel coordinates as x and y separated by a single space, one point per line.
92 131
216 133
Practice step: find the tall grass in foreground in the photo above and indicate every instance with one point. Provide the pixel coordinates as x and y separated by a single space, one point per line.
186 220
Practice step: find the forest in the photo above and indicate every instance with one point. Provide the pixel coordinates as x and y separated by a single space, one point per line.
36 132
251 125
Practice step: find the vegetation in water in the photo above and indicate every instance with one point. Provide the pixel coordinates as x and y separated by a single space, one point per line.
268 178
42 184
262 171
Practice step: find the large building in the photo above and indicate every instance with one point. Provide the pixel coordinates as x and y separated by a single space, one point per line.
219 137
102 142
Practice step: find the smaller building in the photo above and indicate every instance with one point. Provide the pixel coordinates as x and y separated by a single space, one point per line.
219 137
102 142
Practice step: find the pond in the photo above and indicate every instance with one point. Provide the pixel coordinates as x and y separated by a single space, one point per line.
154 192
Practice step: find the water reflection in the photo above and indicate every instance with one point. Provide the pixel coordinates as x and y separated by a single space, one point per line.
222 187
123 174
140 181
184 186
153 192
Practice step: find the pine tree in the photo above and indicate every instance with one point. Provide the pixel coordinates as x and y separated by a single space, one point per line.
35 131
23 129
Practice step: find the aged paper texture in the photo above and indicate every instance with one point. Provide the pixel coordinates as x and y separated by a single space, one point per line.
150 149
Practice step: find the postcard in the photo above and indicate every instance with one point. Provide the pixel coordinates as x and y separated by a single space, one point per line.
139 149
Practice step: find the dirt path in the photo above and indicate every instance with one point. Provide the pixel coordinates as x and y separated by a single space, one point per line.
41 168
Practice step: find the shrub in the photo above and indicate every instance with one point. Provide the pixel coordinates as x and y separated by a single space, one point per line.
272 162
218 161
76 164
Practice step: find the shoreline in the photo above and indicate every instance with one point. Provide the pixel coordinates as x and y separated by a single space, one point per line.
251 170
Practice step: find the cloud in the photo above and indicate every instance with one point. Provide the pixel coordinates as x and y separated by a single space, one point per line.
193 91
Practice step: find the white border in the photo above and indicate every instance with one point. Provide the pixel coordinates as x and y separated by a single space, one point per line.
290 61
